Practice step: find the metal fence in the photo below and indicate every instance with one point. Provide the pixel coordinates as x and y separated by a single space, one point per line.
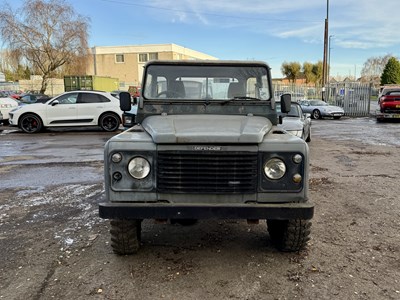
353 97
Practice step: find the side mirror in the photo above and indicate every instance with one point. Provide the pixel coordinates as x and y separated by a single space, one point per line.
286 102
307 115
125 101
55 102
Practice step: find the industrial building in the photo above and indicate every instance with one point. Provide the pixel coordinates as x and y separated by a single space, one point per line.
126 62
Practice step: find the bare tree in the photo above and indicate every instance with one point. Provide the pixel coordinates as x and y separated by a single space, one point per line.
47 34
374 66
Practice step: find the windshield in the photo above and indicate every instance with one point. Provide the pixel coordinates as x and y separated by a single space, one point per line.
295 110
205 82
318 103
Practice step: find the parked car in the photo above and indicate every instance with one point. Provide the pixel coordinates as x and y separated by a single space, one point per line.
34 98
296 121
75 108
320 109
6 105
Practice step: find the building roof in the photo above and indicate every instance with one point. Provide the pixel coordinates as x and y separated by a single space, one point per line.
150 48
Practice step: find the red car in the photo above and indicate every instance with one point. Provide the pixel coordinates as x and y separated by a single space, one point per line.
389 102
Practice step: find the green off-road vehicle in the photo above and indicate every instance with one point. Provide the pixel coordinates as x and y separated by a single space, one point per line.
206 146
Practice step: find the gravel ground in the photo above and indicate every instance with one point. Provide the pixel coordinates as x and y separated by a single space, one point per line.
53 245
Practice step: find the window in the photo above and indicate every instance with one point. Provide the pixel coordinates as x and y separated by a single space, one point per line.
92 98
68 98
153 56
143 57
208 82
119 58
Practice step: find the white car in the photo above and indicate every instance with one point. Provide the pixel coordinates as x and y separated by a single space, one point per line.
320 109
6 105
75 108
296 122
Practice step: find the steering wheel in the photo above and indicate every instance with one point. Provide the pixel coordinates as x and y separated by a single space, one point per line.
173 94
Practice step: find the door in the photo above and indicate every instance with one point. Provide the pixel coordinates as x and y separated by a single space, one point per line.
62 110
90 107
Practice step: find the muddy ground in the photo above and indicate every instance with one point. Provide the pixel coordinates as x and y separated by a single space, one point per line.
53 245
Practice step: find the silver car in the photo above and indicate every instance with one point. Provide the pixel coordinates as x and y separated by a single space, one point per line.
320 109
296 121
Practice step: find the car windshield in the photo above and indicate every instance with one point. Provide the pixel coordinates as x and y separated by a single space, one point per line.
207 83
294 110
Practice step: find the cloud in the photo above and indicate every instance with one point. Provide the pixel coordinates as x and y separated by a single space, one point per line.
361 24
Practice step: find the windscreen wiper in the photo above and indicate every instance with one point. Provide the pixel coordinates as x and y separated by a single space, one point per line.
239 98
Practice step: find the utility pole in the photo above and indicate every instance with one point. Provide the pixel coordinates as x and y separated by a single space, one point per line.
325 61
329 66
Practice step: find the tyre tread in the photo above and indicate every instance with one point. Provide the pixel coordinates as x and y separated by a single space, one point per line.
289 235
125 236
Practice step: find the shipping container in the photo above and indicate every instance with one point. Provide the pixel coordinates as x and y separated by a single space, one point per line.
89 83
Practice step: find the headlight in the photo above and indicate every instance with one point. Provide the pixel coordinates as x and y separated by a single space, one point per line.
274 168
297 133
128 120
139 167
17 108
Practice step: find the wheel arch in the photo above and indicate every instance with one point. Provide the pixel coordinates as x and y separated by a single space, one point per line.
109 112
29 113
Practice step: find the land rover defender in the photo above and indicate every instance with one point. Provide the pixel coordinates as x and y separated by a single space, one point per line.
206 146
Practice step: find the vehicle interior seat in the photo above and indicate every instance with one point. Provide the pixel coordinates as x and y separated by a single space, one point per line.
177 88
236 89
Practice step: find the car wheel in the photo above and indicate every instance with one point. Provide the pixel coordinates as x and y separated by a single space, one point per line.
30 123
289 235
316 114
308 139
109 122
125 236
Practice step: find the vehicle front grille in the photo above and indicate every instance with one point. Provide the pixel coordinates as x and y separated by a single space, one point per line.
207 172
391 110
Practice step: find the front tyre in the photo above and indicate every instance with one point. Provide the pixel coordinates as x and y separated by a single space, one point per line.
125 236
289 235
30 123
308 139
109 122
316 114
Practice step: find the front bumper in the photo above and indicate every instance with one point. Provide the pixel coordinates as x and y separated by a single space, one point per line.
382 115
278 211
332 114
11 120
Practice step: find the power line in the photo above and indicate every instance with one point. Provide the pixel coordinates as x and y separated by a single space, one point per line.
210 14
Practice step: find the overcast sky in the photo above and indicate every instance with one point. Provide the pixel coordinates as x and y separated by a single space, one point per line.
273 31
